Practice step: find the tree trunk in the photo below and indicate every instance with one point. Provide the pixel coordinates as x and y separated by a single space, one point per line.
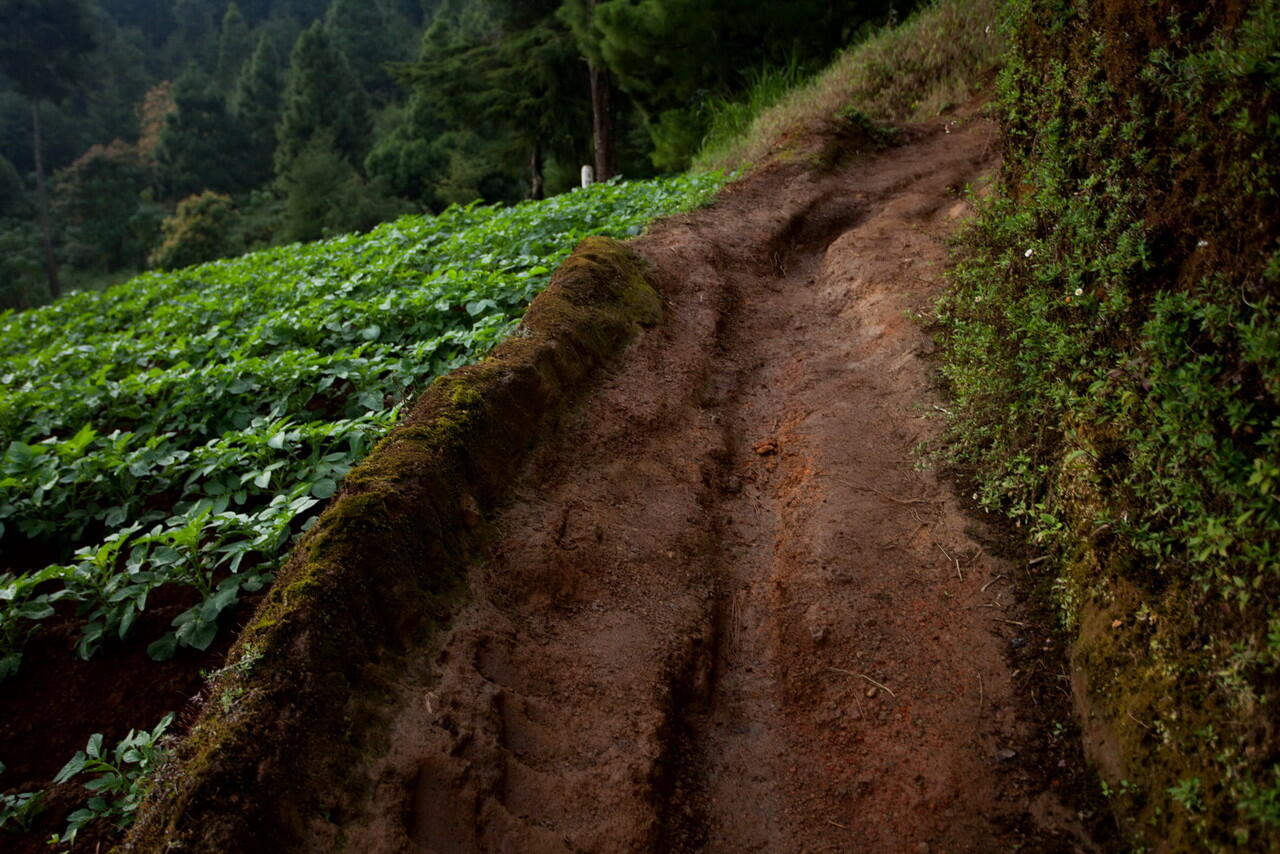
42 195
601 121
535 173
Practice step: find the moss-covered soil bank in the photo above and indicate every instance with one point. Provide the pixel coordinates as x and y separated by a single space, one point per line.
1112 342
301 707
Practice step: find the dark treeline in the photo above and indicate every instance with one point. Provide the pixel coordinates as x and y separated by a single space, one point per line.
158 133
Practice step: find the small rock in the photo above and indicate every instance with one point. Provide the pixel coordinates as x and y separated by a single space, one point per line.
871 692
1018 642
818 633
766 447
1006 754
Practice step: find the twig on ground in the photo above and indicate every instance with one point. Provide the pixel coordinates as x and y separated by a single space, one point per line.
955 560
905 502
866 677
982 692
836 824
1010 622
991 582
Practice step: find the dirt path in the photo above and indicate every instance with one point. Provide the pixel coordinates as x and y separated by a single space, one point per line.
725 612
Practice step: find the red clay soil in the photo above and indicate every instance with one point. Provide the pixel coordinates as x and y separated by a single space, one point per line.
57 701
724 611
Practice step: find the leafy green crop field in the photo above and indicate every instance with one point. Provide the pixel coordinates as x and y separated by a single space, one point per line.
181 428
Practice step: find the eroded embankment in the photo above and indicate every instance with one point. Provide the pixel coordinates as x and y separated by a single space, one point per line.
721 611
716 609
301 711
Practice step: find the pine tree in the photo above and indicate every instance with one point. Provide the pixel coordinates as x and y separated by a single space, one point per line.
506 71
234 45
322 96
257 109
200 147
195 38
364 31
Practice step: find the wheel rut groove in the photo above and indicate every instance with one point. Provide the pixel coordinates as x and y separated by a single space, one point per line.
716 614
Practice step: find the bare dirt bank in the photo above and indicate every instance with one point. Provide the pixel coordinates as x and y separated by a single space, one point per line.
722 611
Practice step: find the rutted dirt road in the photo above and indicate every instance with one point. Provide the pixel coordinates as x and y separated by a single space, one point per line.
723 611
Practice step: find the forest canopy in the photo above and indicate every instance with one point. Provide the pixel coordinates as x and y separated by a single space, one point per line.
317 117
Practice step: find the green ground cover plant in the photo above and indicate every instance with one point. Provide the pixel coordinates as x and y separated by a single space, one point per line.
123 776
1112 342
181 428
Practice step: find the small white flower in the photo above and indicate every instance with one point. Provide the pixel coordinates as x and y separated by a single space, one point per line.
1079 292
1200 244
1028 253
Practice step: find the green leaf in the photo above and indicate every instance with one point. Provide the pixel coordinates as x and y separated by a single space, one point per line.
324 488
37 610
126 619
76 445
73 767
163 648
198 634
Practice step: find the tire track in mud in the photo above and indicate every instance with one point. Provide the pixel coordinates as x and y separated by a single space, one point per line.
717 615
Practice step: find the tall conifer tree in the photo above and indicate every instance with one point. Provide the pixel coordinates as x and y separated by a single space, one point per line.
195 38
507 69
234 45
323 97
257 108
200 147
367 35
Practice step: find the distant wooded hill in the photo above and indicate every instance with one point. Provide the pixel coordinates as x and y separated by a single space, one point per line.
292 119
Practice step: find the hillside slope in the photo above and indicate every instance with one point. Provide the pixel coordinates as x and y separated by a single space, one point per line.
714 608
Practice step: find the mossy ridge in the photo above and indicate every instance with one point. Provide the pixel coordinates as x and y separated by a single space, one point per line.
377 576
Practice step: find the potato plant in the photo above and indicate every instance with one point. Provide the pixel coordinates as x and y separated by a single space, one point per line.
183 427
